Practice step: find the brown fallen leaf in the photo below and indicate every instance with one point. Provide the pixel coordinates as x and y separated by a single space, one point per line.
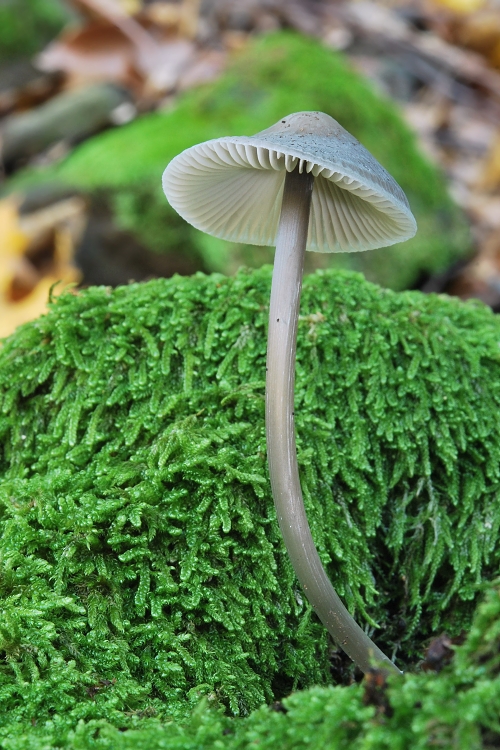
115 14
101 51
97 52
145 53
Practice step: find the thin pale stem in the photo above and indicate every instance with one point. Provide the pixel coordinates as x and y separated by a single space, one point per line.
281 448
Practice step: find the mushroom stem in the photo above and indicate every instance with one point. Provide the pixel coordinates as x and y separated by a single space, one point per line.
281 448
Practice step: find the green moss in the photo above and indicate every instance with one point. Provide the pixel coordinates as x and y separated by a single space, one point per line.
141 563
458 708
27 25
276 75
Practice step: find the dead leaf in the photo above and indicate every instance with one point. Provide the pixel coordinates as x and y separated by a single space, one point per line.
97 52
490 177
13 241
461 6
479 32
101 51
115 14
31 306
36 251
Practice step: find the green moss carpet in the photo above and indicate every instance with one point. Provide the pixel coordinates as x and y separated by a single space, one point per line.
141 567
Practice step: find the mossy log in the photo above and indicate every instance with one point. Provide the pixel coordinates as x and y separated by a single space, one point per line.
141 562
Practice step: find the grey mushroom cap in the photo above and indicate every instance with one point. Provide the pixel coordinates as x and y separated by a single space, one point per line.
232 187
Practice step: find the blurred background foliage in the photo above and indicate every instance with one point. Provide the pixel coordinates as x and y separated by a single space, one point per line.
275 75
96 96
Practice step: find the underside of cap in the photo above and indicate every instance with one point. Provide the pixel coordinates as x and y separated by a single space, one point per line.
232 187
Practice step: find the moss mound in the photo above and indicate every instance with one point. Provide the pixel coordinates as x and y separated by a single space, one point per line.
458 708
276 75
141 564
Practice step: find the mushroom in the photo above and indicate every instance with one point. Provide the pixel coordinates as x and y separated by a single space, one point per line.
304 183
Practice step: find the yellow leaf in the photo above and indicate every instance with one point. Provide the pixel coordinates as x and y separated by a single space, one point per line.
13 241
25 279
462 6
490 177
